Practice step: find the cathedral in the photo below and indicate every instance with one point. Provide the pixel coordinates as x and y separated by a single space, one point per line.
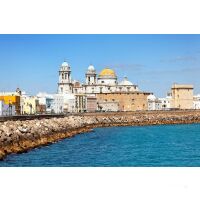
104 82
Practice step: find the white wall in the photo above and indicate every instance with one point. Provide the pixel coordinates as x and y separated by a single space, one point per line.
57 105
1 108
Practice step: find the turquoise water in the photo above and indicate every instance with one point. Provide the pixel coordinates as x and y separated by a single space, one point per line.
164 145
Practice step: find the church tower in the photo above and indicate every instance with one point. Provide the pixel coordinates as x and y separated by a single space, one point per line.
65 81
91 76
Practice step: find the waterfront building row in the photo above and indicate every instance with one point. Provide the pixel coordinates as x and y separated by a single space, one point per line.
100 93
181 97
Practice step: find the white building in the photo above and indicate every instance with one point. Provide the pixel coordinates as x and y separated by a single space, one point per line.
154 103
65 80
105 82
57 104
69 102
196 102
46 101
166 102
159 103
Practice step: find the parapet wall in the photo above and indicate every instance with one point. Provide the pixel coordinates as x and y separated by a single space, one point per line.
22 135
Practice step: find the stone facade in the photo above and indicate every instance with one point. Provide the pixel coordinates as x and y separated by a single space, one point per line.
126 101
108 106
182 96
91 103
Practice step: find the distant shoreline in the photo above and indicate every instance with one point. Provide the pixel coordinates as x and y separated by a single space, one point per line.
20 136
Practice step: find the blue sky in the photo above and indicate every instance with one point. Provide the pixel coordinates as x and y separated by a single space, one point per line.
154 62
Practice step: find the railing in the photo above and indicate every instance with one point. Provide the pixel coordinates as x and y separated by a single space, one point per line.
48 116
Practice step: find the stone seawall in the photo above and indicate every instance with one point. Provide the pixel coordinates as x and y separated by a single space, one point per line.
23 135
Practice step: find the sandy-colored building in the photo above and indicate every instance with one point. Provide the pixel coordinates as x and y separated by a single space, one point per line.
108 106
182 96
29 105
91 105
131 101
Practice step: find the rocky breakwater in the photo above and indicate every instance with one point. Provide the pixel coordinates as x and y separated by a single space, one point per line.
21 136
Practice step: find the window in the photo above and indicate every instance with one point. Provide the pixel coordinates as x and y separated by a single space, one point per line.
101 89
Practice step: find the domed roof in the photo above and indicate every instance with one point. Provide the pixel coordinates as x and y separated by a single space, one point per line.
125 82
151 97
107 72
91 68
65 64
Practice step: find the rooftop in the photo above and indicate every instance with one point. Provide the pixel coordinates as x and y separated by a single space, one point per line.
182 86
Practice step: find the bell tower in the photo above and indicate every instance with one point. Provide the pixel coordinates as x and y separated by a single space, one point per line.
91 76
65 80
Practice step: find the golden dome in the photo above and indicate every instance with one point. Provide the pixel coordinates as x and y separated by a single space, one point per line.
107 72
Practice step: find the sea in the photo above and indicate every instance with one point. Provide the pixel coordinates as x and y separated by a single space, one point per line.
136 146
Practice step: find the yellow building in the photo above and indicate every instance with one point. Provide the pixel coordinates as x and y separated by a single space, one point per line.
11 99
120 101
182 96
29 105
